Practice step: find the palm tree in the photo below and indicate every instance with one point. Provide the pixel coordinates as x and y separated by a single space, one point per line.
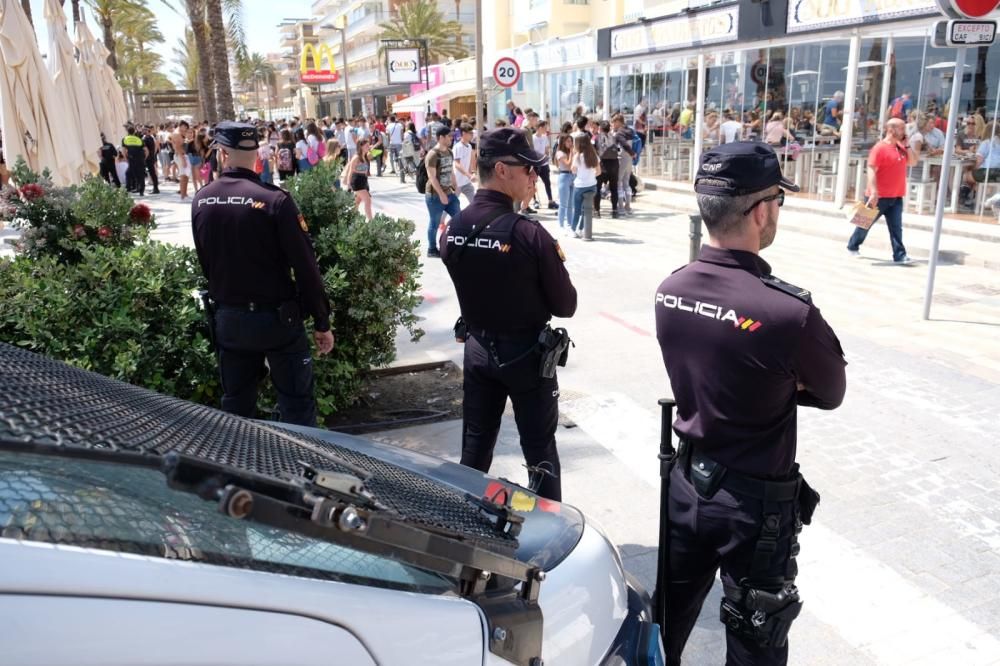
219 58
186 59
255 70
106 12
420 19
206 75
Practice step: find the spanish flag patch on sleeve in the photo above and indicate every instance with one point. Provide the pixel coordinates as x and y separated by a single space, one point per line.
559 251
305 227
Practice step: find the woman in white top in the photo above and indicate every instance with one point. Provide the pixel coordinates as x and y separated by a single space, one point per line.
586 166
564 157
542 145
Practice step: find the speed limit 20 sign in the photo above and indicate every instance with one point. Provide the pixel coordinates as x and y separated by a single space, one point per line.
506 72
973 9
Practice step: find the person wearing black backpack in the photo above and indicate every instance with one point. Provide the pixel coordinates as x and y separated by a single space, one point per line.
438 186
108 154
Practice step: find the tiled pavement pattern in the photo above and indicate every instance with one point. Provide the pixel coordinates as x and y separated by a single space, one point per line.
902 563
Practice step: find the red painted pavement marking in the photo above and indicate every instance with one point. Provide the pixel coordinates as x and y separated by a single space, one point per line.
622 322
430 298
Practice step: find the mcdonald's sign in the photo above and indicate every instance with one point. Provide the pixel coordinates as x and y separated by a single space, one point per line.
316 74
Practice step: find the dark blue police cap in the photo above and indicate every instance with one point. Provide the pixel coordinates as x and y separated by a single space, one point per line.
235 136
509 142
743 167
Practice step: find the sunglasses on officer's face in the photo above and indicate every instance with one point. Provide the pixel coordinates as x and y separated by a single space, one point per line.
528 169
780 197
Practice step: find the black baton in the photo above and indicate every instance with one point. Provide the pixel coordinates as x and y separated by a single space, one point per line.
666 456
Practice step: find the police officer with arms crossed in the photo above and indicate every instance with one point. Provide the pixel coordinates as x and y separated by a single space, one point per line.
510 280
743 350
250 237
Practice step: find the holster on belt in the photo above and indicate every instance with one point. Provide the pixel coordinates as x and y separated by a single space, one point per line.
209 306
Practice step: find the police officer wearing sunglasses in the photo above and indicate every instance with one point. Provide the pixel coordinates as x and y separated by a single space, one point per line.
510 280
743 351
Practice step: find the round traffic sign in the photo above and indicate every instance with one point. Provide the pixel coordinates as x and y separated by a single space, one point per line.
968 8
506 72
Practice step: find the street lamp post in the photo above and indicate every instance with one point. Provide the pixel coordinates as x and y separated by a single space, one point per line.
343 54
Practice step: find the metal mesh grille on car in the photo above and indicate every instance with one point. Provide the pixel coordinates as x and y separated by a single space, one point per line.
46 401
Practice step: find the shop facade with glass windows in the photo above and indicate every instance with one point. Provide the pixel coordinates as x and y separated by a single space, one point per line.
816 79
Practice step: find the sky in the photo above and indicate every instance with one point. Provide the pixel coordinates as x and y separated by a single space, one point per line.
259 21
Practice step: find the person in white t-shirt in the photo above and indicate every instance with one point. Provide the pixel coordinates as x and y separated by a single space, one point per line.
351 136
394 130
465 164
543 145
731 131
587 167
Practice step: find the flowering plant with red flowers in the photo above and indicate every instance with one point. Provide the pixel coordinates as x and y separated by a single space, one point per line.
61 221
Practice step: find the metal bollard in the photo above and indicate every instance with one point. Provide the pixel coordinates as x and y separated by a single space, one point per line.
588 216
695 235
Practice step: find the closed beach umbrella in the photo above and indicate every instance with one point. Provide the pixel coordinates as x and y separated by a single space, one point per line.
71 89
93 71
27 99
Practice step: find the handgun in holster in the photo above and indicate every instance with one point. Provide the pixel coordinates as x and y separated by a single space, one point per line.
461 330
554 345
209 307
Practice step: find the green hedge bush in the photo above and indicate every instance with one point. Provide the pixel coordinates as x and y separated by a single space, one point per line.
371 271
130 314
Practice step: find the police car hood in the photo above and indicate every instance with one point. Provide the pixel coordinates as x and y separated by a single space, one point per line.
550 530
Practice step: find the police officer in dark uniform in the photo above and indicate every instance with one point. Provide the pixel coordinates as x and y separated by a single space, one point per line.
108 154
152 146
250 237
510 279
743 350
135 177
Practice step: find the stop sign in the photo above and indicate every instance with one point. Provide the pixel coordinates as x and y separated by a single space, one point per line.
967 8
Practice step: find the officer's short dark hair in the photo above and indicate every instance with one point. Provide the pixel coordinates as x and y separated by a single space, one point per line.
724 215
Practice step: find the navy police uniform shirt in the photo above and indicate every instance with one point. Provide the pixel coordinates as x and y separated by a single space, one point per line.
510 278
248 235
737 342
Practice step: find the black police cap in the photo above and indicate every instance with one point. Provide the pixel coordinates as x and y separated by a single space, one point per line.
235 136
509 142
743 167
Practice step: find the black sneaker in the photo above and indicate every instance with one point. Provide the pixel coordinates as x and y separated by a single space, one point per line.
433 253
156 191
529 210
614 214
553 205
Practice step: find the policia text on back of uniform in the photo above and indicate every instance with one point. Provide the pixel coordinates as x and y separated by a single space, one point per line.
742 349
250 239
510 280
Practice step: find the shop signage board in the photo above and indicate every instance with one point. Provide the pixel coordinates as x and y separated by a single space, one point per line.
676 32
807 15
506 72
316 73
403 65
964 33
972 9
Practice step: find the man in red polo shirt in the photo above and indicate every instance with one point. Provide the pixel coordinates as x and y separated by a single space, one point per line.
887 163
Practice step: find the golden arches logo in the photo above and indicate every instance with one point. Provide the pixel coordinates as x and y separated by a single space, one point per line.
316 74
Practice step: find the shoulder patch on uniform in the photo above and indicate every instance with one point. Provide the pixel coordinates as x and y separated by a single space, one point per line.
559 250
803 295
302 223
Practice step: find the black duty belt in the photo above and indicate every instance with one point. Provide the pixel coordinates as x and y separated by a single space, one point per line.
510 336
250 306
697 463
561 171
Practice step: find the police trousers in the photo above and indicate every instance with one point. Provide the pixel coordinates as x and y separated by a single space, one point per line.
245 340
707 535
536 407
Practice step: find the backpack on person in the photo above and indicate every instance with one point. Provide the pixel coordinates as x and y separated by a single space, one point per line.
312 156
285 159
321 149
422 176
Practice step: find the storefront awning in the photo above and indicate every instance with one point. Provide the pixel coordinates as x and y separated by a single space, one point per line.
419 101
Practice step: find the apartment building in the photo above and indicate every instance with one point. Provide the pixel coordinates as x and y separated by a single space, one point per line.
294 96
358 24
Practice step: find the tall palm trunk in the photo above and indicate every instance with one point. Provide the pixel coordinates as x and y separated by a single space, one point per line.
109 41
206 81
220 61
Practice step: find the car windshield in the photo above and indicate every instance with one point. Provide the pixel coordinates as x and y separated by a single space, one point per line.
131 509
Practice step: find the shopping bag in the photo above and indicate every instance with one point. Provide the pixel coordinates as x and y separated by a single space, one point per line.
861 215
